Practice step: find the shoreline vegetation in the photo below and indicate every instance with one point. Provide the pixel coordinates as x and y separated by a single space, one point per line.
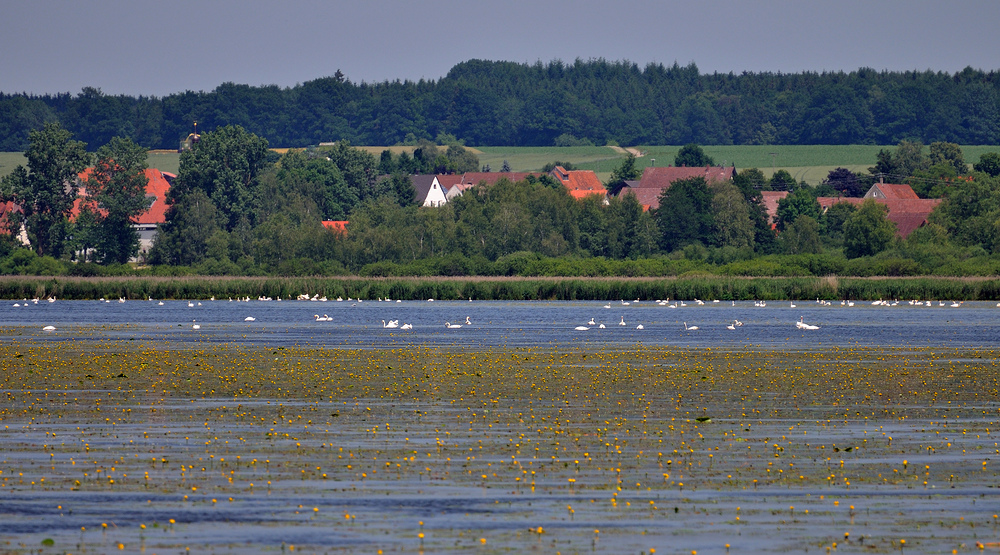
503 288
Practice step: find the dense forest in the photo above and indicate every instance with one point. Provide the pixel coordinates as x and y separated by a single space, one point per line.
587 102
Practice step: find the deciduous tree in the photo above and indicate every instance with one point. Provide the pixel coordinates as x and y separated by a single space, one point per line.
46 189
692 156
868 231
116 188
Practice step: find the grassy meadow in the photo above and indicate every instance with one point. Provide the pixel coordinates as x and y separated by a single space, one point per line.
809 163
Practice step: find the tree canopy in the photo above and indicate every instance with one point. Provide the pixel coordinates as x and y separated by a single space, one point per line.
481 102
46 189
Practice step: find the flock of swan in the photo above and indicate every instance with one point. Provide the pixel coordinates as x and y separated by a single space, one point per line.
592 323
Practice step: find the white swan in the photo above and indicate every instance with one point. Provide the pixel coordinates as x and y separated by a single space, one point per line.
622 323
731 326
390 324
190 304
323 318
196 326
249 319
49 328
406 327
691 328
581 328
467 321
449 325
792 304
601 327
592 322
639 327
607 305
804 326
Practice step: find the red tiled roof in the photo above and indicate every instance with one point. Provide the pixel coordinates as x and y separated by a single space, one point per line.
663 176
157 187
908 214
770 199
648 197
336 225
447 181
891 191
660 178
580 183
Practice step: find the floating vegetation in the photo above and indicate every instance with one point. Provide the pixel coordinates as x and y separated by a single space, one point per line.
108 445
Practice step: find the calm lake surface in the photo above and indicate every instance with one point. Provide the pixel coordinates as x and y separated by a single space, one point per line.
512 324
126 429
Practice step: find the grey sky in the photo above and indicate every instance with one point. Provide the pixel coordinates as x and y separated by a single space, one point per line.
162 47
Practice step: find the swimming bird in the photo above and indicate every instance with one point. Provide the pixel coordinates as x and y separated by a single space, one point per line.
607 305
49 328
600 327
449 325
592 322
196 326
622 323
639 327
249 319
467 321
731 326
804 326
190 304
581 328
390 324
406 327
691 328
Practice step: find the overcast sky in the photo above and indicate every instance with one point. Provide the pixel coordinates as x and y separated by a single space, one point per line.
140 47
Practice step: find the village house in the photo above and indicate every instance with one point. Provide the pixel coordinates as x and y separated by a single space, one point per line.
158 183
655 180
429 191
906 209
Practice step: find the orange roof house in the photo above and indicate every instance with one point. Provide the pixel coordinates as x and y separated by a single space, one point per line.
655 180
579 183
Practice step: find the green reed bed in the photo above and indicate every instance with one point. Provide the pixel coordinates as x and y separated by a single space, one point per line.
499 288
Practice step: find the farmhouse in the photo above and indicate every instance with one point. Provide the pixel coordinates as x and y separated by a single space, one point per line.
655 180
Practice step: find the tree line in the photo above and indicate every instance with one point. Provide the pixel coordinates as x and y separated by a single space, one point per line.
238 208
512 104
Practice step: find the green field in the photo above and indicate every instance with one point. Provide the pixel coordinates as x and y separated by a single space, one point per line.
809 163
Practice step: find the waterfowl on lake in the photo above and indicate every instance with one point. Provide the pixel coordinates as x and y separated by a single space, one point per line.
689 328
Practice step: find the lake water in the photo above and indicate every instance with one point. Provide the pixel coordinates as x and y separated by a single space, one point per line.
127 430
512 324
